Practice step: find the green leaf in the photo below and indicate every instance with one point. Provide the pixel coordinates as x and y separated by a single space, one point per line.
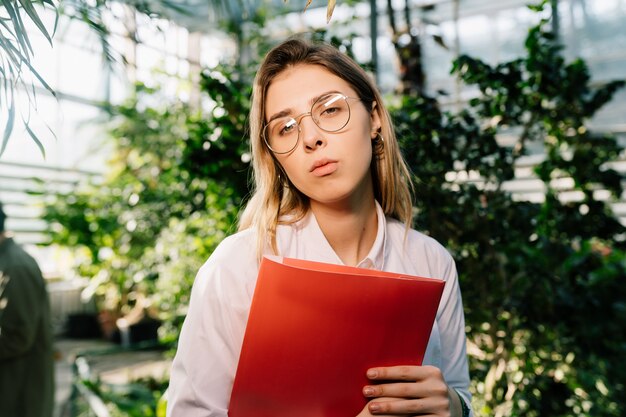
36 140
32 13
26 61
9 126
19 32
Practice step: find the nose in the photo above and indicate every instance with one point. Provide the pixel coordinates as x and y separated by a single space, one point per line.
310 133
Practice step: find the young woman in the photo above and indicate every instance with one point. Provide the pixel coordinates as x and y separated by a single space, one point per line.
330 186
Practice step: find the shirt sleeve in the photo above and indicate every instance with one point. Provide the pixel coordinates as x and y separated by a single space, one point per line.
204 367
451 322
20 318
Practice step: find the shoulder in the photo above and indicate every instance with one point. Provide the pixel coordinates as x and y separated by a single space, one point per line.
238 246
15 261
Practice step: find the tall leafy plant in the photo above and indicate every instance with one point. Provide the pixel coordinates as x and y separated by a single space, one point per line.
176 180
542 283
172 192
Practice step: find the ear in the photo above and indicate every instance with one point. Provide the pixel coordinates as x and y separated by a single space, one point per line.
375 121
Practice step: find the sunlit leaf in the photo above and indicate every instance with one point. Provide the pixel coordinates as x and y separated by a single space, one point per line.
32 13
18 31
14 59
330 9
17 52
26 61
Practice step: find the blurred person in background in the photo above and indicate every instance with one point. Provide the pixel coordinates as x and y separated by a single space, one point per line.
26 350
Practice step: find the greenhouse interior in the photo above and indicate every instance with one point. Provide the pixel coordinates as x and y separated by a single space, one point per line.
126 159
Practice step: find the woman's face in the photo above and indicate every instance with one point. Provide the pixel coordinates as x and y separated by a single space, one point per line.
331 168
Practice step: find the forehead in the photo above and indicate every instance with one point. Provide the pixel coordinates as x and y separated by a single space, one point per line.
295 86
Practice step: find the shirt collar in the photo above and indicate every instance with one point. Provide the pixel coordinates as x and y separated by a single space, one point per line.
318 248
376 257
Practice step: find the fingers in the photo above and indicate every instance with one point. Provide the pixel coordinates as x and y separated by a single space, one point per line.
422 407
406 381
406 390
366 410
404 373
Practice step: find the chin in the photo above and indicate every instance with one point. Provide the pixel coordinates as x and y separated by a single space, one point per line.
332 197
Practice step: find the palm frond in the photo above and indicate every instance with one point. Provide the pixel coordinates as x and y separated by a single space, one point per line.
32 14
16 69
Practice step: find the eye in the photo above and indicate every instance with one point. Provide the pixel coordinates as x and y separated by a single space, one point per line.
286 127
329 111
330 106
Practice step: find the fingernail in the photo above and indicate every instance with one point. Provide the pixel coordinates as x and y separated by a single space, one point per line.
374 407
372 373
368 391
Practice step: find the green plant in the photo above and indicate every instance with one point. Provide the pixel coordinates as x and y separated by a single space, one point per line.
139 398
542 283
15 67
177 178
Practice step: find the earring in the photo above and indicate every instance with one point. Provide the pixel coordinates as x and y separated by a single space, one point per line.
380 138
282 179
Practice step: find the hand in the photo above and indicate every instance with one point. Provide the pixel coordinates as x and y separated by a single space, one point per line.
407 390
366 411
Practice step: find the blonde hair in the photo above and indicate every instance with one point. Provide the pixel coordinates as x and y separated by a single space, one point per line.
274 199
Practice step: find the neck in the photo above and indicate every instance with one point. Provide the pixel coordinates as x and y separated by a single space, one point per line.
351 231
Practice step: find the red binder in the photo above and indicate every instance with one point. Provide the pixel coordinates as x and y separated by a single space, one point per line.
314 329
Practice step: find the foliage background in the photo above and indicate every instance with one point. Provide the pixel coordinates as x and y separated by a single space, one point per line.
542 283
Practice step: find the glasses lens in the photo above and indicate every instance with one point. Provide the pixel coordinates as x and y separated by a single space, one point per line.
282 134
331 113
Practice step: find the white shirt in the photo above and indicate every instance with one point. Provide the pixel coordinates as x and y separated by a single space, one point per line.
210 341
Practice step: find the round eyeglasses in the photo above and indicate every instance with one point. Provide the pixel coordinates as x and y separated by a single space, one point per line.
330 113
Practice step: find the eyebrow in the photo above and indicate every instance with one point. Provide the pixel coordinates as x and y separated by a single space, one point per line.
287 112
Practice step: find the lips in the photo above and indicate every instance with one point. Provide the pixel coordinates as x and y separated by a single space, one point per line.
323 167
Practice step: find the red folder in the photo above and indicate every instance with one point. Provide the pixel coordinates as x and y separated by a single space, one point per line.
314 329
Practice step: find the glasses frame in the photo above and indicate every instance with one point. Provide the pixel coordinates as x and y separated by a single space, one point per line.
298 119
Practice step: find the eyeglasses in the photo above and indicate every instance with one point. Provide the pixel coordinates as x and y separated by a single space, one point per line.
330 113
